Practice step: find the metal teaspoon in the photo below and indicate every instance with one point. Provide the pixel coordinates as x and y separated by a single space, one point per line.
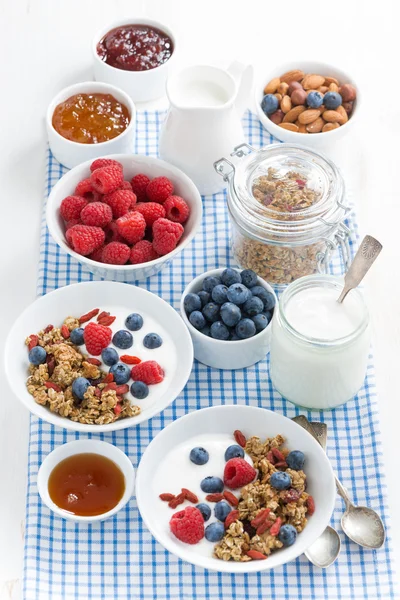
365 256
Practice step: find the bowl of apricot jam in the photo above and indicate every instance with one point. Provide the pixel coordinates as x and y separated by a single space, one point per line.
86 480
88 120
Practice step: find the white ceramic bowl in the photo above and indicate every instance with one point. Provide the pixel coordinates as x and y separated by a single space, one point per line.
133 164
230 354
222 421
142 86
70 153
78 299
79 447
316 140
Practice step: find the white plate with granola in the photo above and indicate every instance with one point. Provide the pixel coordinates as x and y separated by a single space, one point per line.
98 356
227 499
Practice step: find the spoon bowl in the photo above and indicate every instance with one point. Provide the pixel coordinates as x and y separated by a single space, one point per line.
325 550
363 526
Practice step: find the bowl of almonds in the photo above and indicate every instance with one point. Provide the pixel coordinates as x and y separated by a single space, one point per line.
298 101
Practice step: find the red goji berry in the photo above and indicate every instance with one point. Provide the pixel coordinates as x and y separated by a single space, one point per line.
103 313
122 389
130 360
166 497
214 497
97 392
110 386
179 499
281 464
264 526
48 328
89 315
117 409
239 438
260 517
231 498
190 496
64 332
33 341
108 378
106 321
53 386
231 518
271 457
310 505
94 361
278 454
276 527
51 364
255 555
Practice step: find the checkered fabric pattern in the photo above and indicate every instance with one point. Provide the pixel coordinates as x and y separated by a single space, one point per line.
119 559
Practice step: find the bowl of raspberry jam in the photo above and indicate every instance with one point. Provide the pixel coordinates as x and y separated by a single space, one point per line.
134 55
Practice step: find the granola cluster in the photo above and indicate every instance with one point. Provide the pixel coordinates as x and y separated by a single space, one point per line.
50 383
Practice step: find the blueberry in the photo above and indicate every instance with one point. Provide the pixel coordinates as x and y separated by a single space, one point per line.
230 314
222 510
79 387
265 296
234 336
314 99
134 322
332 100
139 390
214 532
287 535
268 314
253 306
249 278
37 356
122 339
260 321
206 330
296 460
269 104
197 319
210 282
219 294
212 485
245 329
109 356
76 336
152 341
238 293
211 312
121 372
199 456
230 276
204 297
191 302
234 451
205 510
219 331
280 480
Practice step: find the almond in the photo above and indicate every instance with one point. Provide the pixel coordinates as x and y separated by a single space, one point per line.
278 97
302 128
316 126
329 80
308 116
341 110
312 82
333 87
272 86
330 126
293 114
289 126
294 75
283 88
332 116
286 104
323 89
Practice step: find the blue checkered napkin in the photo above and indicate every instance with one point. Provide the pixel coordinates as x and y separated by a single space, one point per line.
119 559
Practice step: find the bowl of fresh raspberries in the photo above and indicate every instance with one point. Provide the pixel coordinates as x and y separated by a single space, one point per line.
124 217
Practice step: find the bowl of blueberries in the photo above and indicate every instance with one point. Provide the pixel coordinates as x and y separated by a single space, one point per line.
228 313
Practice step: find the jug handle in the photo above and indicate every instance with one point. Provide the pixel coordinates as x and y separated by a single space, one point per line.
244 76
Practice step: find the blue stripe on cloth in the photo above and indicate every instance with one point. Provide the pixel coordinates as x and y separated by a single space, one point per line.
119 559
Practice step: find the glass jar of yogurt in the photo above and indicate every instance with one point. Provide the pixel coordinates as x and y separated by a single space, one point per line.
287 211
319 348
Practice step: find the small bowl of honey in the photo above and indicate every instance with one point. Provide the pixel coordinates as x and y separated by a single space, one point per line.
88 120
86 480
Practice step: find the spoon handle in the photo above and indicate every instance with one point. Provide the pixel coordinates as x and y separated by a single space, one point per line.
363 260
343 493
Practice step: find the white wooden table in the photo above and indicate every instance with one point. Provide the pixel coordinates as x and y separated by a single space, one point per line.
45 46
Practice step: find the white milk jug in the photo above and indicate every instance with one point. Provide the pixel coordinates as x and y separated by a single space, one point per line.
204 120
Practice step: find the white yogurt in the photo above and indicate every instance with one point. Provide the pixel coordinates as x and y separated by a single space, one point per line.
319 348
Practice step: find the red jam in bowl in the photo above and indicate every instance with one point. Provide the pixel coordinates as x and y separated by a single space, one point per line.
135 47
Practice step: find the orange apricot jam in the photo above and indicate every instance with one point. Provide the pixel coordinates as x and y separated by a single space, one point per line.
90 118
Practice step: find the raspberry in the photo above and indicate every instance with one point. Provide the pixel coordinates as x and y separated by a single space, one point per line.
97 254
85 239
151 211
132 227
112 234
188 525
148 371
71 223
139 184
159 189
98 214
107 179
238 472
126 186
120 202
71 207
166 236
176 209
96 338
99 163
115 253
142 252
85 189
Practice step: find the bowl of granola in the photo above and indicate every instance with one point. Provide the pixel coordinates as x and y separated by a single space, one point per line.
236 489
98 356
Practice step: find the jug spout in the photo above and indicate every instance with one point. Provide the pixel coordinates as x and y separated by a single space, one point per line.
244 78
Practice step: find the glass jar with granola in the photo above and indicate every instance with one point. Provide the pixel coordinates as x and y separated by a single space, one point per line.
287 211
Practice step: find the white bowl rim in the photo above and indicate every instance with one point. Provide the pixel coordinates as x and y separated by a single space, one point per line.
129 268
288 66
132 21
42 480
228 566
82 87
216 271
